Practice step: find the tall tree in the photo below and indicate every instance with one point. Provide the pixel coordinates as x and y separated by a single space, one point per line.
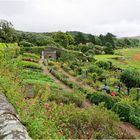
70 38
131 78
61 38
7 32
91 38
79 38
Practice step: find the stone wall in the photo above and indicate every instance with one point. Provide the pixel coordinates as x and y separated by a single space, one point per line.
10 125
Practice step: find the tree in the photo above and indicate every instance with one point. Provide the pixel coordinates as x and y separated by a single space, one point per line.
91 38
61 38
108 48
110 39
70 38
7 32
79 38
131 78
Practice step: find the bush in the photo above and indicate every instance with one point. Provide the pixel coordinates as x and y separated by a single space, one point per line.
104 64
90 123
35 49
135 120
67 98
98 98
123 109
93 123
25 44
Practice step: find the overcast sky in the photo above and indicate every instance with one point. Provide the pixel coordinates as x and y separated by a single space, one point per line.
120 17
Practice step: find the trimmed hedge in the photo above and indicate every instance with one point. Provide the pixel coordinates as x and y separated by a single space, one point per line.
98 98
36 49
127 111
123 110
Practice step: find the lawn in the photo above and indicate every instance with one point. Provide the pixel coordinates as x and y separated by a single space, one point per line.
123 58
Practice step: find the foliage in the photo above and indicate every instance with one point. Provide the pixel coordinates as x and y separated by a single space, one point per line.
36 49
67 98
104 64
135 120
7 32
61 38
131 78
123 110
31 55
25 44
98 98
36 39
32 65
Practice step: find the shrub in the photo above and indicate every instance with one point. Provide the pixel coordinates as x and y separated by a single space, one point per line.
92 123
104 64
25 44
50 63
98 98
135 120
35 49
67 98
123 109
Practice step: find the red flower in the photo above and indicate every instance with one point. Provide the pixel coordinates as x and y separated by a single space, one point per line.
113 93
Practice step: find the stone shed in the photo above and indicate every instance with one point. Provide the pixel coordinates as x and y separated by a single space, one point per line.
50 53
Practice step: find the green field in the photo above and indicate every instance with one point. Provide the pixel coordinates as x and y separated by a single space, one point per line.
123 58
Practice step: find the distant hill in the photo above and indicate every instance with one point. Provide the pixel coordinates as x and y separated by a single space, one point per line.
134 37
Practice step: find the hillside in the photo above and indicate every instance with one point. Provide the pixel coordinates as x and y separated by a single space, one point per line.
72 85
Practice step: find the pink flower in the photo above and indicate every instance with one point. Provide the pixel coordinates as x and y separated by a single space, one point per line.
46 106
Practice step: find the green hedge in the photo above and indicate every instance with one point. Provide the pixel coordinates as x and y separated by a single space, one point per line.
98 98
127 111
36 49
123 110
135 120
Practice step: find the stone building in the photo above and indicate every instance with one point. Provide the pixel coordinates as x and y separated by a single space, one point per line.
50 53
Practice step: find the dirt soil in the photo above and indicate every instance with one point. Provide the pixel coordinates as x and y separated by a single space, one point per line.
130 129
136 57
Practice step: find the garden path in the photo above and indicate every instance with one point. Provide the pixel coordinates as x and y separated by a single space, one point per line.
61 84
74 79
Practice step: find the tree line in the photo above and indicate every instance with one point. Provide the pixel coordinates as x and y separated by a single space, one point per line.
62 39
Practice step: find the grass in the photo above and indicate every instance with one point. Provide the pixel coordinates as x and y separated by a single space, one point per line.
123 58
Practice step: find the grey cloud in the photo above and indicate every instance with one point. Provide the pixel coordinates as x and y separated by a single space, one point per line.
120 17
